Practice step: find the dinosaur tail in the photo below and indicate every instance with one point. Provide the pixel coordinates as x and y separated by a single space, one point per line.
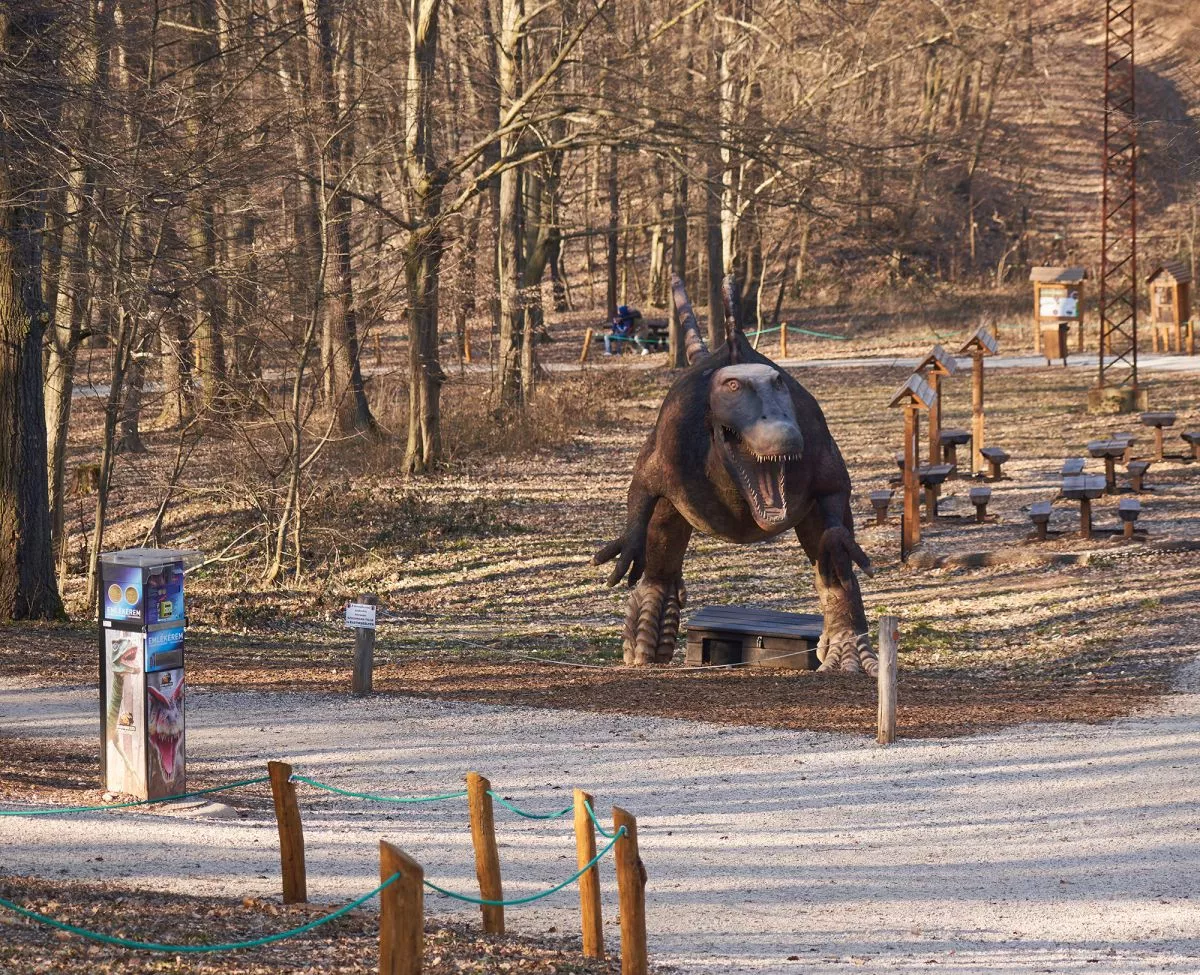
693 342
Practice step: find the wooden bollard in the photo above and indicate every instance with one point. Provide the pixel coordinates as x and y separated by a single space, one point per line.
401 913
587 346
631 892
487 854
590 913
783 341
889 629
364 652
291 833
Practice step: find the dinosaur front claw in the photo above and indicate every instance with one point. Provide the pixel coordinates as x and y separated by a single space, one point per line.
652 621
847 652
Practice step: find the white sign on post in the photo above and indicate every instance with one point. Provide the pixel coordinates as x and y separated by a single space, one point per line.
360 616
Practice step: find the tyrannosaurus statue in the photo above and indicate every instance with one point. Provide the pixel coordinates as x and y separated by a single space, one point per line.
740 451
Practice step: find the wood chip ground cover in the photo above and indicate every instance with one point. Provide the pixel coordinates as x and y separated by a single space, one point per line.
345 946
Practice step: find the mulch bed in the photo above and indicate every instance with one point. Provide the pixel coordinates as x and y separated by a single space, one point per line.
349 944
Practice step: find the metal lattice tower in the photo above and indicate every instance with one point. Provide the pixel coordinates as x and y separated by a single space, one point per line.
1118 213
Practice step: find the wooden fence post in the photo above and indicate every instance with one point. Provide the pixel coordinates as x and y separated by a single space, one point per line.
783 353
401 913
589 884
889 629
587 346
291 833
631 890
487 855
364 652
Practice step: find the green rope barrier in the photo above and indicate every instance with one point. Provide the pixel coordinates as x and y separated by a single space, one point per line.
595 822
531 897
139 802
109 939
371 797
528 815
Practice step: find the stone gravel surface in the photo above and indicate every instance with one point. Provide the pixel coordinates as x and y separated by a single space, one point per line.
1056 848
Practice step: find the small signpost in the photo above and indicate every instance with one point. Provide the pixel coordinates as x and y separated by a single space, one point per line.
915 395
933 368
981 344
360 617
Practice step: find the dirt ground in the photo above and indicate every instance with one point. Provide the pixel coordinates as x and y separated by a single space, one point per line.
484 570
488 595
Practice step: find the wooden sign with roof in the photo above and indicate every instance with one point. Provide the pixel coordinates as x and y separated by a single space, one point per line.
915 392
1170 306
915 395
1057 300
980 344
937 365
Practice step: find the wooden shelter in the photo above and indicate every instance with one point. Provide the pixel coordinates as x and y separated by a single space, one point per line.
1170 304
1057 302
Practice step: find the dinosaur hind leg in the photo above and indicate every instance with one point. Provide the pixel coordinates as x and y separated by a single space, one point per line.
652 613
844 644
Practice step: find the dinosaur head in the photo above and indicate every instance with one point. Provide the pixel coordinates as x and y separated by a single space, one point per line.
165 726
756 434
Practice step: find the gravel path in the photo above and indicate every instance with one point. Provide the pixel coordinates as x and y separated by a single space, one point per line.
1042 849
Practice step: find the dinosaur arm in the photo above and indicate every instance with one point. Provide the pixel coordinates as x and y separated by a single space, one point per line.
630 548
838 552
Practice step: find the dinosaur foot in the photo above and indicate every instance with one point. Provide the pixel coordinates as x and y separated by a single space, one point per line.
849 652
652 621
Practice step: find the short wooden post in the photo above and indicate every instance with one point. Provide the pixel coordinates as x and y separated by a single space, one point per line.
1085 518
783 340
911 533
487 854
587 345
466 344
589 884
364 653
889 629
401 913
977 443
631 892
291 833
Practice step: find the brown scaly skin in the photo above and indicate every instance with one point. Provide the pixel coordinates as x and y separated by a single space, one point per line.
682 481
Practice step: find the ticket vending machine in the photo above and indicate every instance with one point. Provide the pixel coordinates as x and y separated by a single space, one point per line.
142 622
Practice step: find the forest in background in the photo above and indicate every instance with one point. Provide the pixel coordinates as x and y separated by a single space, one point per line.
217 205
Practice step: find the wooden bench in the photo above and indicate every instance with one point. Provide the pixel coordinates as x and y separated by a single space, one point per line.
1158 420
980 496
754 636
1084 488
1193 439
1110 450
950 441
996 457
932 476
1130 440
1137 472
880 501
1039 514
1128 510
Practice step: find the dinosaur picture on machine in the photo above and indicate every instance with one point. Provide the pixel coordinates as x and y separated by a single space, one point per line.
740 451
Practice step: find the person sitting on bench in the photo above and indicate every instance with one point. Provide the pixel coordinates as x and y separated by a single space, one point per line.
626 327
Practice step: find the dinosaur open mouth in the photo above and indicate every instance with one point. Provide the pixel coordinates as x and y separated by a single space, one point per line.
761 478
166 744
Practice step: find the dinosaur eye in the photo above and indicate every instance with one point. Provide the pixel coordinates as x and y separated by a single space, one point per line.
732 385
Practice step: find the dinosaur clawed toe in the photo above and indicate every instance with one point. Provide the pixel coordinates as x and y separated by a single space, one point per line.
652 621
848 652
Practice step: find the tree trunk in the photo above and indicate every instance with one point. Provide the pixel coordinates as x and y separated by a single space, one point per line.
614 217
28 589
